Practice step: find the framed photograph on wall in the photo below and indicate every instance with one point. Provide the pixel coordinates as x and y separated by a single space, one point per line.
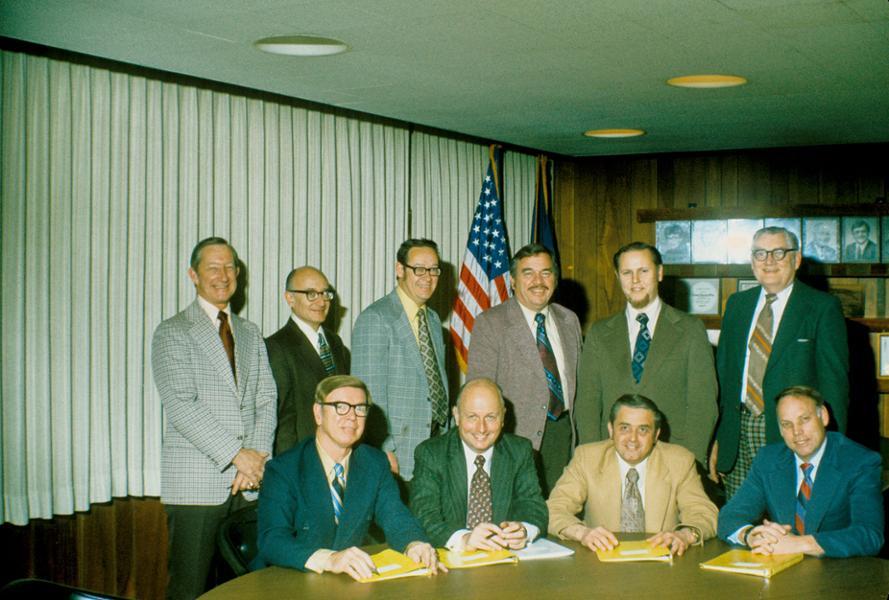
790 224
701 295
884 238
739 239
673 240
884 355
821 239
746 284
708 242
860 236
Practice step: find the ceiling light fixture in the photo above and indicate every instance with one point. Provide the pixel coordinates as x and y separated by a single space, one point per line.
301 45
706 81
613 133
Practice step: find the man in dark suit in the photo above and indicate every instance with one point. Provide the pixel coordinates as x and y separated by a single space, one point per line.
302 353
820 491
530 348
213 377
650 349
861 248
318 499
780 334
398 350
478 489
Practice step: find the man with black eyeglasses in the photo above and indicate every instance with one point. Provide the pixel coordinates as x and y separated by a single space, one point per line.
318 499
780 334
302 353
398 350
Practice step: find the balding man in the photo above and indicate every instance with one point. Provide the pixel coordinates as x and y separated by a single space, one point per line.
475 488
302 353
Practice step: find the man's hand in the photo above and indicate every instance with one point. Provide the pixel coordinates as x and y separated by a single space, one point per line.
514 534
714 455
241 483
763 538
426 555
485 536
393 462
354 562
598 539
251 464
676 541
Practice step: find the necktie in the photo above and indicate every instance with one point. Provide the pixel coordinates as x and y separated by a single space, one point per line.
632 514
643 341
760 347
802 498
433 375
337 491
228 340
556 400
480 510
326 356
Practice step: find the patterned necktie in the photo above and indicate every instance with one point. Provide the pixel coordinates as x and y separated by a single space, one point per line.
760 348
326 356
480 510
632 514
338 491
802 498
556 403
228 340
433 375
643 341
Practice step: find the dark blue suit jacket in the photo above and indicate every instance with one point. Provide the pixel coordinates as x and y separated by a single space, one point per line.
295 514
845 513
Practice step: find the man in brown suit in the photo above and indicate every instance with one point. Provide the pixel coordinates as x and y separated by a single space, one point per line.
302 353
632 483
529 347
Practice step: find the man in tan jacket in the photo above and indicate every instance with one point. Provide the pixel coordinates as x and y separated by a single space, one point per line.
632 483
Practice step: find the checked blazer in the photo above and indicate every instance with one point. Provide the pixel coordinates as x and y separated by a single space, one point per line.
386 356
209 417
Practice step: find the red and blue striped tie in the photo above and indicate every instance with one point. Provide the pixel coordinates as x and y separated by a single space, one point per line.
802 498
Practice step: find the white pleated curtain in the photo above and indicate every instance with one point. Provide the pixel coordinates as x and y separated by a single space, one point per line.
107 182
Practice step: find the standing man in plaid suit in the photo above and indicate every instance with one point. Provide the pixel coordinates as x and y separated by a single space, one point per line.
211 370
398 350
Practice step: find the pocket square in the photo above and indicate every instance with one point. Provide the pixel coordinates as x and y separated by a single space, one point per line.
803 340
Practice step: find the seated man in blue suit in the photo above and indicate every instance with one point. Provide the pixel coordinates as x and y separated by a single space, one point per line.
318 498
819 490
478 489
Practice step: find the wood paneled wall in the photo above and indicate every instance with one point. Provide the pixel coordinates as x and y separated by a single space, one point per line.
597 198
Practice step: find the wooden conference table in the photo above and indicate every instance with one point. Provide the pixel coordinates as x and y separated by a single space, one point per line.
581 576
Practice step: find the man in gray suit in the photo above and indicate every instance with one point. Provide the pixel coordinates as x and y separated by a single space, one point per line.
650 349
530 347
213 376
302 353
398 350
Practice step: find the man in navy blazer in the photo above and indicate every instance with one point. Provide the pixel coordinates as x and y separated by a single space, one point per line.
808 347
318 499
507 509
820 491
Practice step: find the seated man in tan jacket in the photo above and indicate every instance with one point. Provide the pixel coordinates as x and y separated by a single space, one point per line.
632 483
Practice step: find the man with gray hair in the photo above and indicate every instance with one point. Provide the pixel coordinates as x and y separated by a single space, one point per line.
779 334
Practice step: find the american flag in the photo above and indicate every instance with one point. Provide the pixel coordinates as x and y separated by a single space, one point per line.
484 274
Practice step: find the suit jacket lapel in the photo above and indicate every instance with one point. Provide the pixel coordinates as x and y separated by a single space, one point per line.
242 352
795 313
501 476
456 465
404 333
610 491
657 491
520 335
825 486
305 352
313 477
206 336
569 352
617 340
358 494
663 343
782 479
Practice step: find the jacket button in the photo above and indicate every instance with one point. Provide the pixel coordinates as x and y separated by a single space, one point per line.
539 433
240 438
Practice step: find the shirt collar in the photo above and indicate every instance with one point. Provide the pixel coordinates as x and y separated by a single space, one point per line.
651 310
213 311
411 308
307 329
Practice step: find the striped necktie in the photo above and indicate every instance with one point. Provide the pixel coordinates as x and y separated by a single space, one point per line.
326 356
760 348
802 498
643 342
556 403
338 491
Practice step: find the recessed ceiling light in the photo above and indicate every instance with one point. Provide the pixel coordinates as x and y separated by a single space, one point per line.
301 45
707 81
613 133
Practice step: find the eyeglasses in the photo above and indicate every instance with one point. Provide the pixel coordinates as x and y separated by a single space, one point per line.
343 408
312 295
778 254
420 271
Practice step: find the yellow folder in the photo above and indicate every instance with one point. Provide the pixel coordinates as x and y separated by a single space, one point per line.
748 563
635 551
475 558
394 565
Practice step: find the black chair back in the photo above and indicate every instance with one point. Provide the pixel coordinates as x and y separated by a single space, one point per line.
236 539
